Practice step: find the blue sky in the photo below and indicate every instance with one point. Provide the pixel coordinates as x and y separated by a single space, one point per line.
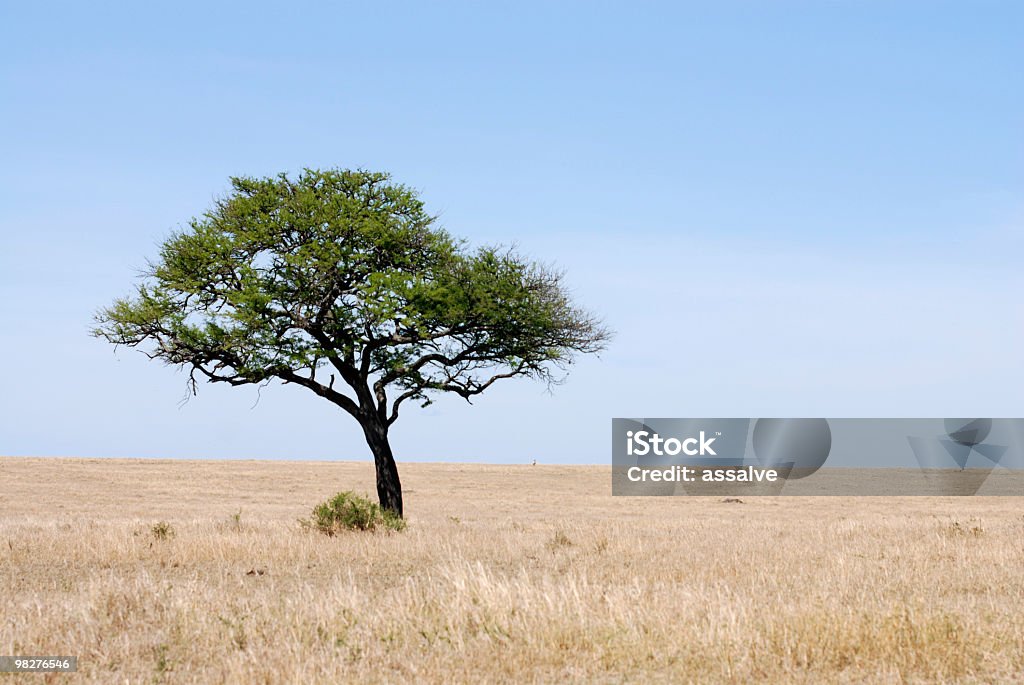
783 208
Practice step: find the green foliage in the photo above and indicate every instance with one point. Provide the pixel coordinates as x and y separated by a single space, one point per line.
162 530
344 273
163 662
349 511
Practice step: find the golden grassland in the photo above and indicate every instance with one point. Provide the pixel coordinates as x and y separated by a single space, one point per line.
505 574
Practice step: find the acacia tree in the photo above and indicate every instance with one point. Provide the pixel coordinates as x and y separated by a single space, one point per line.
339 281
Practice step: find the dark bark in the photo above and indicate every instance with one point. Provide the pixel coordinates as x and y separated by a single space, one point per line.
389 487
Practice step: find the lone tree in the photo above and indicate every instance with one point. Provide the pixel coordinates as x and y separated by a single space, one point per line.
340 281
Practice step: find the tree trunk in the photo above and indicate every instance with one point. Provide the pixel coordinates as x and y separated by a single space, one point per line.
389 487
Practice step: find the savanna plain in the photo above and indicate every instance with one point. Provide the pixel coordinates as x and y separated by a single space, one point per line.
199 571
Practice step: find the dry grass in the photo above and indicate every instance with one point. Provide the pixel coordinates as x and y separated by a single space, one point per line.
164 571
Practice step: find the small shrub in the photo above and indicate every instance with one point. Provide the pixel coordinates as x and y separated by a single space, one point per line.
972 528
163 663
162 530
349 511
